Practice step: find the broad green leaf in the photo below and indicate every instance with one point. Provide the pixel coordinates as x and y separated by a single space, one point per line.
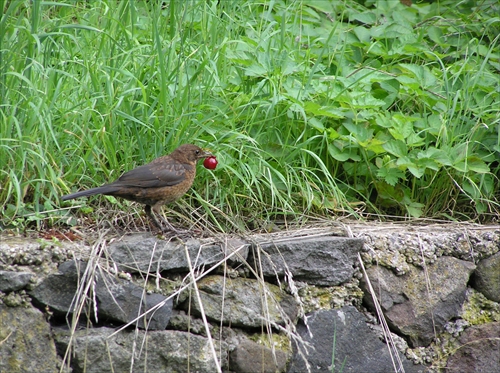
321 5
416 171
362 33
390 31
342 154
435 124
315 109
414 140
436 35
415 209
471 188
337 153
386 90
359 131
368 18
460 166
316 123
415 168
396 147
332 133
438 155
390 175
402 126
375 145
390 85
476 164
408 81
384 121
422 74
364 100
428 163
255 70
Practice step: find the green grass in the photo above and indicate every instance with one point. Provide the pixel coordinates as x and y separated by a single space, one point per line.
312 107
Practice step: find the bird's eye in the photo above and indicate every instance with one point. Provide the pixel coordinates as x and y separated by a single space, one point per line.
197 152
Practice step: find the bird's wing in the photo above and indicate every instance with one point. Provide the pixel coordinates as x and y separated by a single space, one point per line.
154 175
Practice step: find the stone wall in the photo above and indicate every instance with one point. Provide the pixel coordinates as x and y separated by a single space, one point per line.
354 298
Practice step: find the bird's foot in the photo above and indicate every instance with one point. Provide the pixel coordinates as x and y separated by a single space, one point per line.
171 234
180 234
168 231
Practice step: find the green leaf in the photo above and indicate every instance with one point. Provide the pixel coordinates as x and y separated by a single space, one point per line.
416 171
360 132
341 153
415 209
391 85
256 70
368 18
408 82
436 35
375 145
396 147
384 121
362 33
428 163
402 126
476 164
471 188
332 134
321 5
421 73
327 111
317 124
390 31
439 156
337 153
414 168
364 100
460 166
390 175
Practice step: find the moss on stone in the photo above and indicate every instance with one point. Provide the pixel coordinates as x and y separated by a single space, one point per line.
478 310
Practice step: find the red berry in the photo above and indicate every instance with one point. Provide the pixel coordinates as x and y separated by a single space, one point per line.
210 163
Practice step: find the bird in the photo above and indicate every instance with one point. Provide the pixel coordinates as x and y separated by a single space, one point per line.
162 181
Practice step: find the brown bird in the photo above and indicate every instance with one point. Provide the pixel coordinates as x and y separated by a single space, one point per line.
161 181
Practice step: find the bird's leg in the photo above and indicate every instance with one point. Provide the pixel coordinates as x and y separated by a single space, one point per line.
150 211
169 226
152 217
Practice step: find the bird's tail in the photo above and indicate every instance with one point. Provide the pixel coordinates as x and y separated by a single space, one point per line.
89 192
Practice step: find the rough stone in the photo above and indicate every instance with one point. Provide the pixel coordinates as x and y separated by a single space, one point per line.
251 357
314 298
25 341
344 335
56 291
168 351
13 281
239 302
144 252
478 309
419 303
326 261
41 256
123 302
180 320
405 248
478 350
398 245
486 278
117 300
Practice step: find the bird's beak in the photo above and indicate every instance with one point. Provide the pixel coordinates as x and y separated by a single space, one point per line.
205 154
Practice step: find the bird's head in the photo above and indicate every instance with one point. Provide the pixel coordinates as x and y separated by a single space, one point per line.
190 153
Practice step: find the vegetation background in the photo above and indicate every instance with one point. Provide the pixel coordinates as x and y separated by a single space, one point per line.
312 107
